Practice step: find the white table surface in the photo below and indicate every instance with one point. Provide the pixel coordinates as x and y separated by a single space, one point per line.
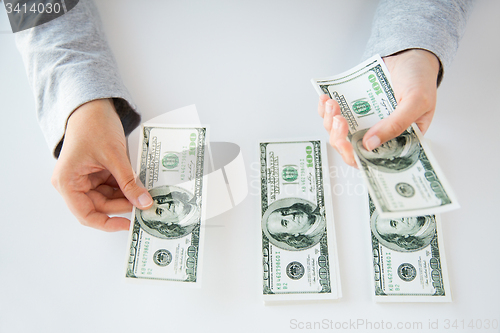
246 66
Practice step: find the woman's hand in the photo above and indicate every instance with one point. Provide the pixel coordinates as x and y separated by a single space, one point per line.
414 80
93 173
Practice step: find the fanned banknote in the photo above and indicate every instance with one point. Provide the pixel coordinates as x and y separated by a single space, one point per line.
403 177
165 240
299 255
408 259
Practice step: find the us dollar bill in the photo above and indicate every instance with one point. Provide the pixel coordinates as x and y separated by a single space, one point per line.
403 177
408 259
165 240
299 255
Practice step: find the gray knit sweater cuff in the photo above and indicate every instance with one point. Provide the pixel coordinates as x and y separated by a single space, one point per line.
433 25
69 63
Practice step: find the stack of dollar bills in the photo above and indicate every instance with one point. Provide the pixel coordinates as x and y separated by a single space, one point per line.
299 252
406 188
298 243
165 240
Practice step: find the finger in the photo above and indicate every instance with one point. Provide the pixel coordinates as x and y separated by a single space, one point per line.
109 206
424 122
120 168
110 192
98 178
331 110
338 132
103 222
328 117
403 116
338 139
321 105
347 153
111 181
84 210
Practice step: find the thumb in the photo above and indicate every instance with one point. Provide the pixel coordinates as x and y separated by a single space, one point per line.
389 128
121 169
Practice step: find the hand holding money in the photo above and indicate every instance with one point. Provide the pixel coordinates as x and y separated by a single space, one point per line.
402 175
414 76
93 173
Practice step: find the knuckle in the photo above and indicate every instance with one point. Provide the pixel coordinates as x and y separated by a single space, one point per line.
54 180
84 222
128 185
61 176
396 128
426 101
423 100
61 183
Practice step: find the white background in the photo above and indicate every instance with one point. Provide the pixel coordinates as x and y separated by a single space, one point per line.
246 66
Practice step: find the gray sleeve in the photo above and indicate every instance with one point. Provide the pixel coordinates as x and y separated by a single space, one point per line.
433 25
69 63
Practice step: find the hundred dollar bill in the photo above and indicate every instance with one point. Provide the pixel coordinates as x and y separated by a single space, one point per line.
165 240
408 259
403 177
299 255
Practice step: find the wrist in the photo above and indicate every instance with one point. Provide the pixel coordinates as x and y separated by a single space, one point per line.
426 59
89 109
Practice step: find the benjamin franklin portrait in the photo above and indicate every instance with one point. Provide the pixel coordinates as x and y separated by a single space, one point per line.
175 212
406 234
293 224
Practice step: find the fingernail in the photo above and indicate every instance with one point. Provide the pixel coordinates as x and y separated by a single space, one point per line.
372 142
336 123
329 107
145 200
